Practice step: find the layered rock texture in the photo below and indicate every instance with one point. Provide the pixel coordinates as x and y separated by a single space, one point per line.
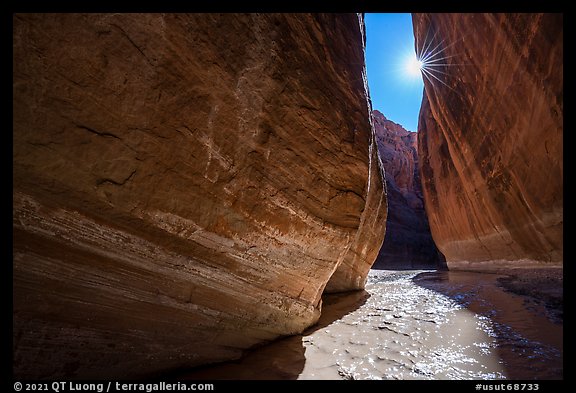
490 136
185 186
408 243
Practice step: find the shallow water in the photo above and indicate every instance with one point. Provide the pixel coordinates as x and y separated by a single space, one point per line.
413 325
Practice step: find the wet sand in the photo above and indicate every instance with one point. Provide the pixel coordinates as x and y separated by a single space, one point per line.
414 325
541 287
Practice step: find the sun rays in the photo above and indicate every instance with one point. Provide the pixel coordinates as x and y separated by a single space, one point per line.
433 57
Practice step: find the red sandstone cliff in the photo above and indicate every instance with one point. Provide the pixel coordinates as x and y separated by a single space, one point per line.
408 242
490 136
185 186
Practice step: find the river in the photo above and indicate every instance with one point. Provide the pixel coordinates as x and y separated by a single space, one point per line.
413 325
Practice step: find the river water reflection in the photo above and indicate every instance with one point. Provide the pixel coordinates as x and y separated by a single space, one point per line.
413 325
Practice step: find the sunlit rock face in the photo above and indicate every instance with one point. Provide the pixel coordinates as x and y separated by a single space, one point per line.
490 136
408 242
185 186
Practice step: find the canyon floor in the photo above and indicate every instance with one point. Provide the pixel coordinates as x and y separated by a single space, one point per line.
417 324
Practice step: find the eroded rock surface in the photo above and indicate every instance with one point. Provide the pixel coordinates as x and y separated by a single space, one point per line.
408 242
185 186
490 136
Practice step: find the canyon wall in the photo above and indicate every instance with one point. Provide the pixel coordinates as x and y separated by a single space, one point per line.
408 243
490 136
185 186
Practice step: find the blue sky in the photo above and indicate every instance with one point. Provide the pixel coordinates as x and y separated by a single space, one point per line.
394 91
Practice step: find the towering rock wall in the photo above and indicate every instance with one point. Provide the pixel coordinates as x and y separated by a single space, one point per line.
490 136
408 242
185 186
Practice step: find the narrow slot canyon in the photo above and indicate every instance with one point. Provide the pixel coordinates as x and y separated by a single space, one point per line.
223 196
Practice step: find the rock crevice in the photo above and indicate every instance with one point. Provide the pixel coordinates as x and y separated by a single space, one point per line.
408 243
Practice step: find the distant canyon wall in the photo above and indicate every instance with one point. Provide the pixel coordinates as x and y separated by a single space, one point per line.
185 186
490 136
408 243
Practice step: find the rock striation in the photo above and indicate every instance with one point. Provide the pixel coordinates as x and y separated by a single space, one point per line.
490 136
408 243
185 186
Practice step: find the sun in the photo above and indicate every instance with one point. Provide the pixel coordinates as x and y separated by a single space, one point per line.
413 66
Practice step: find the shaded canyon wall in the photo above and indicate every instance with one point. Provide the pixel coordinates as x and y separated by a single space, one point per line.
185 186
490 136
408 243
